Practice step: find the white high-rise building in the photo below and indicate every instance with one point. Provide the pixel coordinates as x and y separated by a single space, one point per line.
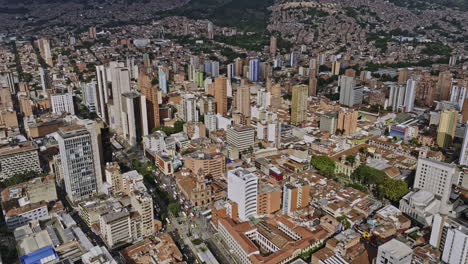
394 252
243 189
189 111
102 95
89 95
450 236
458 95
78 157
436 177
120 85
350 95
134 117
396 97
211 121
62 103
410 95
464 149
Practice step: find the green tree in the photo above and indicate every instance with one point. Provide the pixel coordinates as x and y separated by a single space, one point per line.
394 189
173 208
351 159
325 165
368 175
20 178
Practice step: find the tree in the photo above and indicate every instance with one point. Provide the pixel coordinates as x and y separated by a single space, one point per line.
368 175
325 165
363 150
20 178
173 208
394 189
351 159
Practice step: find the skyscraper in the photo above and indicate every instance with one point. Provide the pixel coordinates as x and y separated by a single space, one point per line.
102 93
254 69
299 104
151 94
134 117
464 148
450 236
444 83
163 81
241 137
220 86
350 95
79 156
120 85
447 127
273 45
396 97
336 68
44 50
243 189
189 111
347 122
239 64
410 95
243 100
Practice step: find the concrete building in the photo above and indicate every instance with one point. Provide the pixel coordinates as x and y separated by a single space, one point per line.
62 103
243 189
211 163
115 228
152 102
243 100
254 70
464 149
450 236
436 177
299 104
89 95
79 157
421 206
328 122
241 138
269 199
134 117
350 94
189 111
394 252
44 50
18 158
410 95
296 196
347 122
163 81
447 127
220 86
211 122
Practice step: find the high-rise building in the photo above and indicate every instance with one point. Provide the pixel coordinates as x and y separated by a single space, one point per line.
239 64
231 71
410 95
294 59
240 137
150 93
210 30
299 104
336 68
220 87
347 122
89 95
79 154
436 177
211 121
273 45
102 94
243 189
62 103
115 227
213 164
312 85
254 70
465 111
296 196
447 127
396 98
189 111
120 84
394 252
444 83
328 122
450 236
243 100
403 76
269 199
458 96
134 117
92 32
163 81
350 95
464 148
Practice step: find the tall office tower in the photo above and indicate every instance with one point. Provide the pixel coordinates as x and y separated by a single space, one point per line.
312 85
403 75
163 81
394 252
410 95
231 70
347 122
350 94
447 127
210 30
62 103
464 149
444 83
151 94
396 97
102 94
254 70
296 196
239 65
336 68
134 117
313 67
299 104
220 86
243 190
240 137
450 236
89 96
92 32
44 50
79 156
43 76
243 100
436 177
458 96
120 85
214 69
294 59
273 45
189 108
